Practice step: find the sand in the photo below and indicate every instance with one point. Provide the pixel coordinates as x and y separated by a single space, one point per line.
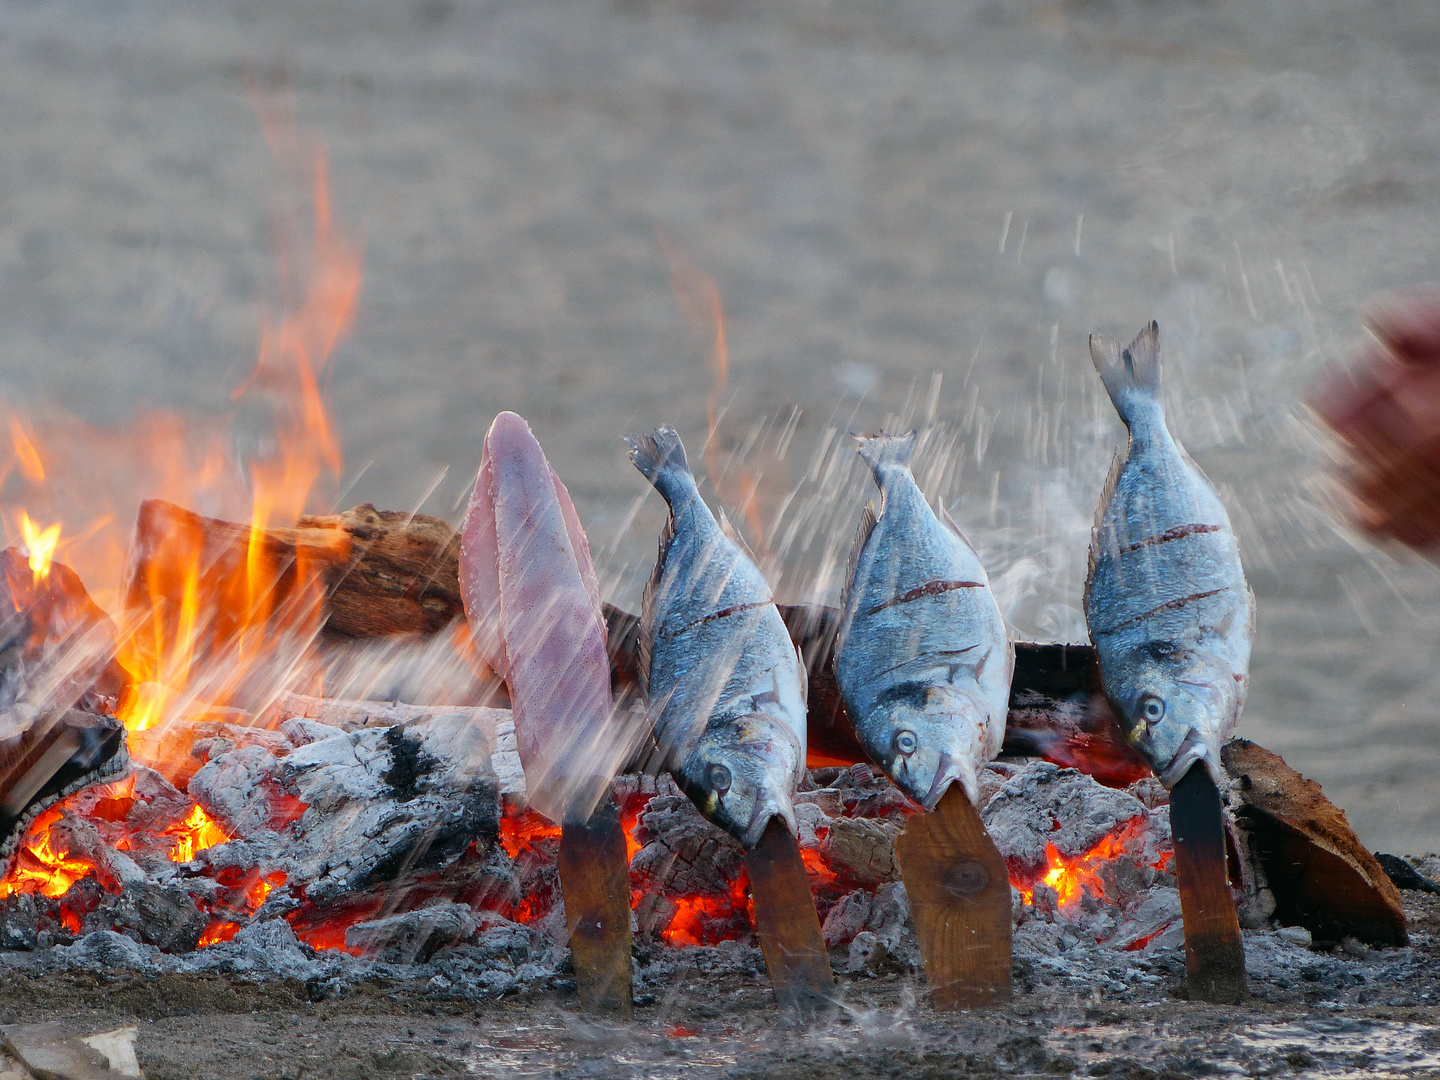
884 193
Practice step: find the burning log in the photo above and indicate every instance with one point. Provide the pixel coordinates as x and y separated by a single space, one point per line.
381 572
50 758
386 573
1322 876
57 647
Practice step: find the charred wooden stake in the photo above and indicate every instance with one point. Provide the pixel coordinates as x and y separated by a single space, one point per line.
959 891
595 881
1214 954
789 928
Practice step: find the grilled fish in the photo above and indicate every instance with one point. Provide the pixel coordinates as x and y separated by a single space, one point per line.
725 685
1166 600
922 656
533 604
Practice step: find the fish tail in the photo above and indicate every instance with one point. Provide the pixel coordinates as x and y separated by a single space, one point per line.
660 457
1131 375
886 454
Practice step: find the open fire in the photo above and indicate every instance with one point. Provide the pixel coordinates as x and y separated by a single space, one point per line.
254 803
688 880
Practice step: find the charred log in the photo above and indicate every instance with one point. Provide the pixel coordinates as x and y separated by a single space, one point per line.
1323 877
57 647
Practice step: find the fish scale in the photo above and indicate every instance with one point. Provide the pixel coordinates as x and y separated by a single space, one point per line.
1166 599
922 656
725 685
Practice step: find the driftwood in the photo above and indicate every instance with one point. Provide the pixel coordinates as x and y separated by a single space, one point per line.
1321 874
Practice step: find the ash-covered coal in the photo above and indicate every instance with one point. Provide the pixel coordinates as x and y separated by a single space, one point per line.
365 842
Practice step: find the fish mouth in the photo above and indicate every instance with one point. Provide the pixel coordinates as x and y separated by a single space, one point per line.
765 809
1192 750
946 773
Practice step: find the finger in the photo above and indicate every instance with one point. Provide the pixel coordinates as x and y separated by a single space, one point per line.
1410 329
1400 498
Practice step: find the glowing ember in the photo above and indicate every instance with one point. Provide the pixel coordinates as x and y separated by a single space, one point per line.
45 865
1073 877
217 932
39 545
708 920
196 833
525 830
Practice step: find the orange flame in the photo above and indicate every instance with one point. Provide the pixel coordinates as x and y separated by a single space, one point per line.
45 864
699 298
40 545
201 624
31 465
1073 877
219 930
524 830
196 833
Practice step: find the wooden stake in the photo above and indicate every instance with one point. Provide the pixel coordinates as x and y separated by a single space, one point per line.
595 881
1214 954
789 928
959 889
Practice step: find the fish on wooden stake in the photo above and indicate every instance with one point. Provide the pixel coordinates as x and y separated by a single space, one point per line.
922 656
725 684
533 604
1166 600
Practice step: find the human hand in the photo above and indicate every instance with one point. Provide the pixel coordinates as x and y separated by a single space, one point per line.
1387 409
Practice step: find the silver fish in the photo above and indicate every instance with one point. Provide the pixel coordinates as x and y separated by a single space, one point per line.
725 683
1166 601
922 656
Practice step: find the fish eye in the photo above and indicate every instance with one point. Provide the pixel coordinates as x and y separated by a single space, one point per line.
905 742
1152 709
719 777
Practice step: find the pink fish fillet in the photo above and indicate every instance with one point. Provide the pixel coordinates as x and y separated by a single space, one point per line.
533 604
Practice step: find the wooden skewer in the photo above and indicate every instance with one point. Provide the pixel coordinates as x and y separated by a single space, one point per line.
959 889
595 881
788 925
1214 953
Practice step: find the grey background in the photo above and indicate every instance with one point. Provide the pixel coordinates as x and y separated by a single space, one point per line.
1250 173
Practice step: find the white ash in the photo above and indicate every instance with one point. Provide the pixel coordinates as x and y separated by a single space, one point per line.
1081 952
379 802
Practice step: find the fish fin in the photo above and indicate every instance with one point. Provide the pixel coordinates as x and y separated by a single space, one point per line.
950 523
1132 375
660 457
1107 493
646 635
852 567
732 533
884 453
862 536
